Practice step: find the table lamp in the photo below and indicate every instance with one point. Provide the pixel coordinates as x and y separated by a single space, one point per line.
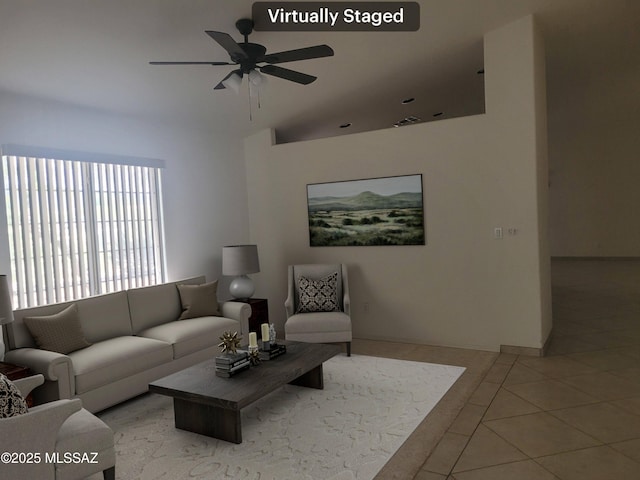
238 261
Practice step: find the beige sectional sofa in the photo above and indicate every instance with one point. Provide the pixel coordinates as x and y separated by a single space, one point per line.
135 338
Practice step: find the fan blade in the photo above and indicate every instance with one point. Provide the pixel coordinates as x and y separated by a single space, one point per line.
220 86
287 74
190 63
299 54
229 44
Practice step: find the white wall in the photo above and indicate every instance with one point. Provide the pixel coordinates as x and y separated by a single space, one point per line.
594 190
464 288
205 203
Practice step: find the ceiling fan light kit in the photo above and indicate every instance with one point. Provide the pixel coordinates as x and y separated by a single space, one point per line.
233 81
256 78
248 57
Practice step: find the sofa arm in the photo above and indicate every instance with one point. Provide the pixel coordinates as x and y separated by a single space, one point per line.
55 367
238 311
25 385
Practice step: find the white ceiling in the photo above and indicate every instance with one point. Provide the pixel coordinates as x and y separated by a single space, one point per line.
95 53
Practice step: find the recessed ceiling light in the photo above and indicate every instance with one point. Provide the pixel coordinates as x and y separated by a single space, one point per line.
345 125
438 114
408 100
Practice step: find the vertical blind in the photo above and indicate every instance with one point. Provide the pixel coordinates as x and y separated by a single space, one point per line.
80 228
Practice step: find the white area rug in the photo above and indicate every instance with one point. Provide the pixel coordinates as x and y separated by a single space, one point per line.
349 430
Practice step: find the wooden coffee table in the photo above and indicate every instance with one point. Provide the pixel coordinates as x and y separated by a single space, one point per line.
210 405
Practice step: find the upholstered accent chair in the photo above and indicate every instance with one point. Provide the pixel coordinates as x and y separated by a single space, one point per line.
61 428
318 304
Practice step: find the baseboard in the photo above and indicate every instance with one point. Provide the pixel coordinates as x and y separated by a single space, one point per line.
526 351
545 347
415 341
596 258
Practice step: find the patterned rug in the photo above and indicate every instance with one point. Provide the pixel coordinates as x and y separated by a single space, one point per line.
349 430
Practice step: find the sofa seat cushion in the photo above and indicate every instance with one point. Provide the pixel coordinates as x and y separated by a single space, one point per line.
110 360
319 327
193 334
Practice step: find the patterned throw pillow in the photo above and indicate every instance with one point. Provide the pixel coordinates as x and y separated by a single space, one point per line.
318 295
11 402
61 332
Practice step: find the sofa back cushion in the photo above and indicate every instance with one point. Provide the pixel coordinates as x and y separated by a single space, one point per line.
158 304
104 316
101 317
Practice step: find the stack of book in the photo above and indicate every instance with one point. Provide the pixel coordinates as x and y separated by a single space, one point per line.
229 364
274 351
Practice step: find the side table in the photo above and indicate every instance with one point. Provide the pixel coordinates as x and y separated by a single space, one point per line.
259 313
14 372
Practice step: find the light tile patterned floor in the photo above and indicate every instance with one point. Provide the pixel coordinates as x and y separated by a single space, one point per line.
574 414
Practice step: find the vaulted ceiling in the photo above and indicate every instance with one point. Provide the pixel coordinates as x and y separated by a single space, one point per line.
96 53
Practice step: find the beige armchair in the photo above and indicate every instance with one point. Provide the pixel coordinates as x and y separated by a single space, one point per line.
318 304
61 430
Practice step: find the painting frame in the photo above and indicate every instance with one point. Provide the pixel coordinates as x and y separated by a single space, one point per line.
377 211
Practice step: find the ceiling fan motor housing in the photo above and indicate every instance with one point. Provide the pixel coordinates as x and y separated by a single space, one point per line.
254 52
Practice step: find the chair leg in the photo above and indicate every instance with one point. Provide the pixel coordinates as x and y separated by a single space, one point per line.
109 473
348 349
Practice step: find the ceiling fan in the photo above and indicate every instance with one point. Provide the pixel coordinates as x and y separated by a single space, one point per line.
248 55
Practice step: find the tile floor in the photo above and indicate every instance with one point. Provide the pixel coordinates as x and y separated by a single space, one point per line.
573 414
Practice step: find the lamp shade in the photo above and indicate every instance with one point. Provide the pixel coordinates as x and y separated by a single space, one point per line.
240 259
6 310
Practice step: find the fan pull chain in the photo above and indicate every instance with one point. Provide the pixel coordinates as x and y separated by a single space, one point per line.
250 107
256 92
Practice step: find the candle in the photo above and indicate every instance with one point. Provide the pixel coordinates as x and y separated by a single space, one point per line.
265 332
253 339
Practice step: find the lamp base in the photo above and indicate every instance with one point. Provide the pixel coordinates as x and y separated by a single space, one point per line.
241 287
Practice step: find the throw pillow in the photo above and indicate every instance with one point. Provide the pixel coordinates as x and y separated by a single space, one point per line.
11 401
199 300
318 295
60 332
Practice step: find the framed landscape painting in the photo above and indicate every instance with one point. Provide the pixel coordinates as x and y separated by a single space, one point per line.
374 211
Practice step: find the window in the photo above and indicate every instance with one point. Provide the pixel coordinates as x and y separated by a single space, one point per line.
81 224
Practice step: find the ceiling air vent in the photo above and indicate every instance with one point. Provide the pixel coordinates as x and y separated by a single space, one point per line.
407 121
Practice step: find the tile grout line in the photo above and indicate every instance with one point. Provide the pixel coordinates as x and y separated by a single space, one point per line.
534 459
466 444
452 474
